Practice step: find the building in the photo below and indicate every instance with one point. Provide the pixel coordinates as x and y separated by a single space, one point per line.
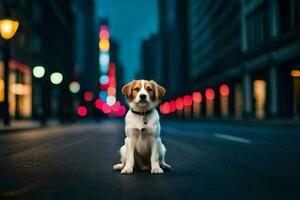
173 39
243 57
151 59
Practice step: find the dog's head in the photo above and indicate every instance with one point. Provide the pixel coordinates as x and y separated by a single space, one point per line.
143 95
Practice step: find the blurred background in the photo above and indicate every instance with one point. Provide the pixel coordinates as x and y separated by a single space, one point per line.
66 60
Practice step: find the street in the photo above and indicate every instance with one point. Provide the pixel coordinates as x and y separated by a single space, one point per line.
210 160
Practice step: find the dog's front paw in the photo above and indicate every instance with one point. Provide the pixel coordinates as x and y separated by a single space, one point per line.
127 170
157 170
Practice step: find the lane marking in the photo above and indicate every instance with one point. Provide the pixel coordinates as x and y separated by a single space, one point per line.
232 138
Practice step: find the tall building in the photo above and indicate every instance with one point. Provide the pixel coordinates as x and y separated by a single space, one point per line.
151 59
251 46
173 39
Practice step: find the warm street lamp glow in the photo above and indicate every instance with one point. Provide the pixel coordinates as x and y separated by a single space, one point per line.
8 28
38 71
56 78
295 73
74 87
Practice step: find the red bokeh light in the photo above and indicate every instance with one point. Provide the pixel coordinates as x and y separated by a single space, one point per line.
116 106
172 106
209 94
88 96
224 90
104 34
179 103
98 103
161 108
122 111
166 107
106 108
187 100
197 97
82 111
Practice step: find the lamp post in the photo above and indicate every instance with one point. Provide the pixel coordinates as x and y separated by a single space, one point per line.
8 28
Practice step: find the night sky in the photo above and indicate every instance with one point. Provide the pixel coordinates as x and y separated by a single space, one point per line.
130 22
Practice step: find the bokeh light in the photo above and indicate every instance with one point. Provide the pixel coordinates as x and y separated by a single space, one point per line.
56 78
111 91
74 87
82 111
98 104
110 100
104 79
197 97
224 90
38 71
187 100
106 108
88 96
179 103
209 94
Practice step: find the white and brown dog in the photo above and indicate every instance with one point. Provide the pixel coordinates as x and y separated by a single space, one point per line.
143 148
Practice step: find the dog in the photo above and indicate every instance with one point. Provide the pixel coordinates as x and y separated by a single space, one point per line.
143 148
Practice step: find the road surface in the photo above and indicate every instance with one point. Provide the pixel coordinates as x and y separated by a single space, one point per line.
209 161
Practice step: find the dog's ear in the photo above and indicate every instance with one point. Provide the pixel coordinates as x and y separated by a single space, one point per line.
159 91
126 90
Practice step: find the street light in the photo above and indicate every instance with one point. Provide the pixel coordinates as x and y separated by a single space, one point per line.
8 29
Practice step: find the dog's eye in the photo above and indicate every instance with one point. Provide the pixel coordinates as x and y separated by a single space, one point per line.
136 89
149 89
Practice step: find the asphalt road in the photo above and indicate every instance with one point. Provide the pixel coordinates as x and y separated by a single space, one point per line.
209 161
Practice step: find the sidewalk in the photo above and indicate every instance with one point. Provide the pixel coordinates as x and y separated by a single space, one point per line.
22 125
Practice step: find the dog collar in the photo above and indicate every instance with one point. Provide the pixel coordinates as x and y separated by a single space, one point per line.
143 114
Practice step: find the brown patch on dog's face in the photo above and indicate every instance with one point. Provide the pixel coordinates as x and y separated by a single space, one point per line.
131 89
159 91
150 89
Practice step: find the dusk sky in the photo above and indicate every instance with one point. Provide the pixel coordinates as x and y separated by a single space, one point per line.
130 22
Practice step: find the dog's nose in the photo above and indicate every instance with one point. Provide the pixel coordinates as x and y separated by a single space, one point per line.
142 96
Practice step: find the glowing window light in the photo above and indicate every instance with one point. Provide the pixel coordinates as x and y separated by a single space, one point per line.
104 34
19 89
172 106
104 59
111 91
187 100
103 95
56 78
74 87
8 28
38 71
122 111
82 111
110 100
1 90
104 79
209 94
98 103
179 103
104 45
88 96
224 90
197 97
106 108
295 73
